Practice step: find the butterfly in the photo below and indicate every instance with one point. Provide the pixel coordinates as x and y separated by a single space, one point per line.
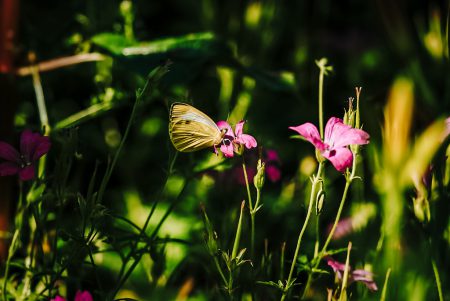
191 130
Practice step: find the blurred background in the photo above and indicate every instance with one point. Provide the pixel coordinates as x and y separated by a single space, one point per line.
252 60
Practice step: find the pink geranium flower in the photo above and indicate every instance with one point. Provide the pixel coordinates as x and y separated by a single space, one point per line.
363 276
233 140
32 147
337 137
80 296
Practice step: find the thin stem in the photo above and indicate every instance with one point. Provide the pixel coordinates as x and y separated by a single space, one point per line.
338 216
330 235
386 280
43 116
8 262
250 203
216 261
238 233
253 217
321 76
283 248
316 180
343 295
438 280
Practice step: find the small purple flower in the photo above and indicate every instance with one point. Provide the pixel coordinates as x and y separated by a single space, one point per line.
337 137
361 275
32 147
233 140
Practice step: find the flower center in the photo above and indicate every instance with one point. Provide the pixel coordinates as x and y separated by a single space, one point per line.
24 162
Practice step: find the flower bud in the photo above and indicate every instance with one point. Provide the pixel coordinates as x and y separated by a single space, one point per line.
258 179
320 199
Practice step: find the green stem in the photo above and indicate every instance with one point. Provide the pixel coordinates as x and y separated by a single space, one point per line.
238 233
318 258
40 98
321 76
438 280
343 295
216 261
330 236
316 180
253 217
250 205
8 262
386 280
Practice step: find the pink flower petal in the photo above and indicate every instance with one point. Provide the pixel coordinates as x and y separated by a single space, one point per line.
27 173
365 277
83 296
338 134
33 145
227 149
42 148
238 129
329 129
310 133
8 152
341 158
9 168
247 140
336 265
28 143
224 125
241 138
58 298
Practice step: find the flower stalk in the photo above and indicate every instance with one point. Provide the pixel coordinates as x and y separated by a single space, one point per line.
315 181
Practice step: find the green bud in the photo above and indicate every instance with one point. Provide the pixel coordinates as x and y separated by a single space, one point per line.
258 179
320 200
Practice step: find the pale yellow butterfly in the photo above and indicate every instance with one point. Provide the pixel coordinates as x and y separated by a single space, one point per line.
191 130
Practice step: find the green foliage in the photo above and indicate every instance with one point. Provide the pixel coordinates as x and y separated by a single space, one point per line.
115 210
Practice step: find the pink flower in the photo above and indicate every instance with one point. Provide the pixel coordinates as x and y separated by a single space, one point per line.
337 137
83 296
80 296
273 162
32 147
363 276
233 140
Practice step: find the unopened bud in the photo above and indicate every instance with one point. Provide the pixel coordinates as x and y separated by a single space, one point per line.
258 179
320 199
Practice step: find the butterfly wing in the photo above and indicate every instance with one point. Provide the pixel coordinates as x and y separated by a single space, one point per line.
191 130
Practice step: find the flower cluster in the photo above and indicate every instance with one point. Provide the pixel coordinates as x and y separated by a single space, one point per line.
233 141
32 147
334 145
363 276
80 296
